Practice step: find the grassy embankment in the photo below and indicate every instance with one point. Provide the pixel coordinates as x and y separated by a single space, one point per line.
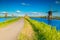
7 22
34 30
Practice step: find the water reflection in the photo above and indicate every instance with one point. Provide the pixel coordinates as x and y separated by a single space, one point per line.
49 22
53 23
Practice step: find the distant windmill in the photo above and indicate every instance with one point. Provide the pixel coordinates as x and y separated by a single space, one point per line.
50 13
12 15
5 14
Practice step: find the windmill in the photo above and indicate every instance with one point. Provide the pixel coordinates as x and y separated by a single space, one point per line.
13 15
50 13
5 14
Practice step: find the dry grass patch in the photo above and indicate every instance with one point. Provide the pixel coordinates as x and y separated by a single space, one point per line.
27 32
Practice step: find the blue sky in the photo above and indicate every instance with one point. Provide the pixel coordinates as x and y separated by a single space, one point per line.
31 7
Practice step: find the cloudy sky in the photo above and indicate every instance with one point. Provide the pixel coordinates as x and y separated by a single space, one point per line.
30 7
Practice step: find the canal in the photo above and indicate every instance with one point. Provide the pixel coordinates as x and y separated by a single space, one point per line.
52 22
4 19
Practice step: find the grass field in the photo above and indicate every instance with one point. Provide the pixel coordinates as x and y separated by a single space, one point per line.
34 30
38 31
7 22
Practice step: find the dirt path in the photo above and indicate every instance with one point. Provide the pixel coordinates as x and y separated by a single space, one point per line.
27 32
12 31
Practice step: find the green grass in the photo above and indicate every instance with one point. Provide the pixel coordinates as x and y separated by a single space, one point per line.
44 31
7 22
41 31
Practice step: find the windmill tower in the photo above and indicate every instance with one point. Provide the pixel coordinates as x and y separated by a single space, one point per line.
12 15
50 14
6 15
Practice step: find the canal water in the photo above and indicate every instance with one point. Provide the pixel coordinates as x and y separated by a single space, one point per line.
4 19
49 22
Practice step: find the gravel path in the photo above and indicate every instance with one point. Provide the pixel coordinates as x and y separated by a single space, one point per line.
12 31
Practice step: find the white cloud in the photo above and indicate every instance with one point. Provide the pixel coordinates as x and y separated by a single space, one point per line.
4 12
18 11
34 12
56 14
57 2
25 4
39 13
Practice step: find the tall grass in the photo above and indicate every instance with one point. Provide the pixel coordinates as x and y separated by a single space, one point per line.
44 31
27 32
7 22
